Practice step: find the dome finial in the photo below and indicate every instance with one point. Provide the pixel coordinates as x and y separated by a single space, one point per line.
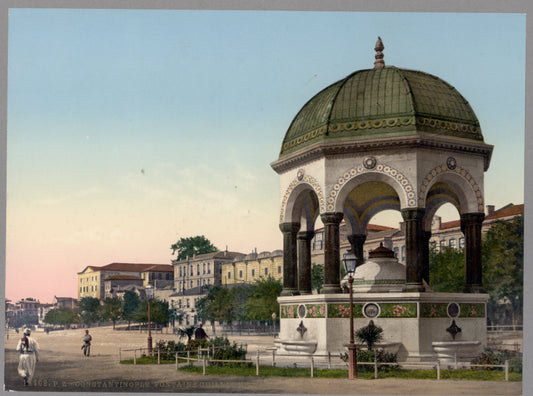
379 55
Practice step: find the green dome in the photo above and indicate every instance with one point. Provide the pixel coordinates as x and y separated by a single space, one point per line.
383 102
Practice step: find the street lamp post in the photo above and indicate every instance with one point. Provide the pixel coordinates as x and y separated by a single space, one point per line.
149 295
350 262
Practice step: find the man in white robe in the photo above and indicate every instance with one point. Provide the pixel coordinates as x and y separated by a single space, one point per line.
29 355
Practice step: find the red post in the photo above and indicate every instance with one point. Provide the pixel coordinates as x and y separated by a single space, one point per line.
352 350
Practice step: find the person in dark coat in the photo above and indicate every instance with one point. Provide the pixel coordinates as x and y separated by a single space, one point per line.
200 333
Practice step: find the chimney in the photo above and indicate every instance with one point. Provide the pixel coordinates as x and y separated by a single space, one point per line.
490 210
436 223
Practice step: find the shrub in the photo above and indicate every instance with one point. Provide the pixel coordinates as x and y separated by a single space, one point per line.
370 334
498 357
368 356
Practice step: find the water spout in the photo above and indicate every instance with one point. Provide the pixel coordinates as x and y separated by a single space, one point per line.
301 329
453 329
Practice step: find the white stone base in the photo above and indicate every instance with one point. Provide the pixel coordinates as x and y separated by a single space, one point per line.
319 325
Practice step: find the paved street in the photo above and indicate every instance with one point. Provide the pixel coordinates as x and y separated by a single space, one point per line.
62 367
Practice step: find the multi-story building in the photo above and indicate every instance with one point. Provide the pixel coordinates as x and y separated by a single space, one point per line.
91 281
252 267
65 302
201 270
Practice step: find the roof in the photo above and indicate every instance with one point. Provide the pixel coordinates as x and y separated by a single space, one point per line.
221 254
122 277
132 267
507 211
381 102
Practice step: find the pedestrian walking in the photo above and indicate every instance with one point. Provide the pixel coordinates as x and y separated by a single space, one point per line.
29 356
86 347
200 333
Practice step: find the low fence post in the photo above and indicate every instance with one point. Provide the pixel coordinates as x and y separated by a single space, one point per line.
176 360
329 360
119 355
257 364
158 357
375 365
203 365
135 356
312 367
189 358
507 370
438 369
273 358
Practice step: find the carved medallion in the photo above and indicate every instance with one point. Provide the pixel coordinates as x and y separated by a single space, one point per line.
453 310
300 174
369 162
371 310
302 311
452 163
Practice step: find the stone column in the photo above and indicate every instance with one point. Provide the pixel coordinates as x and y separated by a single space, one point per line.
331 252
304 261
357 241
471 227
413 249
426 236
290 256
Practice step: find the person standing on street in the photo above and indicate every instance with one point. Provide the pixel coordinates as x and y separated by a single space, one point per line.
86 343
29 356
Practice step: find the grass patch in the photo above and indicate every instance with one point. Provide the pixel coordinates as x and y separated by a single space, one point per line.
245 370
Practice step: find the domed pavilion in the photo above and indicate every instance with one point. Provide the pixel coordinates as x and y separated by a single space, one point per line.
380 139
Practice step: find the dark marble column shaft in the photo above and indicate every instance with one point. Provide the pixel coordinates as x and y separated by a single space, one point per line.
290 257
471 226
426 236
413 249
304 261
331 252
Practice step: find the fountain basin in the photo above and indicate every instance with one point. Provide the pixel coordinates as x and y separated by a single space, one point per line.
456 351
299 347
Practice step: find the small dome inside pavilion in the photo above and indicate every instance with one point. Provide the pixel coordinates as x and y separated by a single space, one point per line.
381 273
383 102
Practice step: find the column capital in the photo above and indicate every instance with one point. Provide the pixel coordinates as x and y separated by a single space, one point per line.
289 227
331 217
413 213
305 235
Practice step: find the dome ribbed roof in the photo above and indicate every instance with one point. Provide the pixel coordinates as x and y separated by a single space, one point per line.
382 102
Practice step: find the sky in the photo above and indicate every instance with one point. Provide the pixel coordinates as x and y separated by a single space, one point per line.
129 129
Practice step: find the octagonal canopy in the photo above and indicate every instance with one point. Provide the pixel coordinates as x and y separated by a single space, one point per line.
382 102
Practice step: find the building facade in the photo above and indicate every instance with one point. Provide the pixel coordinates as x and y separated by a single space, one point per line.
91 281
252 267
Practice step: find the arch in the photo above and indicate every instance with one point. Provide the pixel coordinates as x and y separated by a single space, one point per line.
359 175
439 194
467 191
302 199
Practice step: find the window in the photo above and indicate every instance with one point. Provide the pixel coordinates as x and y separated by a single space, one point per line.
197 282
81 289
279 269
188 304
266 271
197 269
442 243
229 275
240 274
317 241
396 252
453 243
203 268
253 273
403 254
461 243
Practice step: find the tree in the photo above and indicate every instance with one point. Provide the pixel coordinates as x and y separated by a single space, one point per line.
188 247
446 270
159 311
130 305
317 277
61 316
263 302
111 309
89 309
185 332
25 320
503 265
